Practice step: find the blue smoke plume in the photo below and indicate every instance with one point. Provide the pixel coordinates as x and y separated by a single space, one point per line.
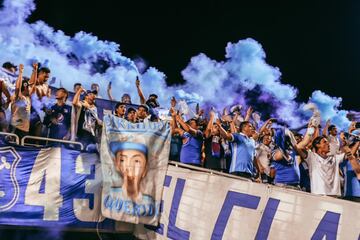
329 109
245 77
242 77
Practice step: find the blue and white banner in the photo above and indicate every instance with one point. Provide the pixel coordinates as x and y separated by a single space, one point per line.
134 159
199 205
51 187
58 187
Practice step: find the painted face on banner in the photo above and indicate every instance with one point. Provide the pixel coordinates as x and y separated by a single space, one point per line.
131 164
131 117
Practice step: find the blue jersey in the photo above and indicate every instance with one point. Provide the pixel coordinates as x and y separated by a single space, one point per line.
352 184
243 153
305 183
287 171
191 149
58 120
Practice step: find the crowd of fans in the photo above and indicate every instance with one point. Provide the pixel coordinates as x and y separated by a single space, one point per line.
320 161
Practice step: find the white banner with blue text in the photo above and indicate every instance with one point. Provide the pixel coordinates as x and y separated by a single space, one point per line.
199 205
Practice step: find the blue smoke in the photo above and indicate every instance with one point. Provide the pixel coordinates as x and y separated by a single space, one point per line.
243 71
81 58
329 109
243 76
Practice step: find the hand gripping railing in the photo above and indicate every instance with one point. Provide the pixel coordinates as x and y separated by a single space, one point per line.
11 135
49 140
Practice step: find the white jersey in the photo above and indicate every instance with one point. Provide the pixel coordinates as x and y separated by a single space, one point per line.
263 153
20 113
324 173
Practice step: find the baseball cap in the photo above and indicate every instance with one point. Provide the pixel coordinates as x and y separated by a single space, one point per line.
131 109
91 91
8 65
145 106
118 146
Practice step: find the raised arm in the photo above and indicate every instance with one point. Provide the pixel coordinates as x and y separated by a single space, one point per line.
248 113
209 125
300 148
109 92
233 127
185 126
173 123
32 89
139 90
224 134
355 148
76 101
326 128
232 123
33 77
19 82
266 125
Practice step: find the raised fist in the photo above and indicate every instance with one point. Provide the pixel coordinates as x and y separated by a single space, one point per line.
137 82
21 68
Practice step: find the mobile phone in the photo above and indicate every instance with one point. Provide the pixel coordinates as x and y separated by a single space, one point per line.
357 125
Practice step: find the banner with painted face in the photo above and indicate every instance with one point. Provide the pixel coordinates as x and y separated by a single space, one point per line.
134 160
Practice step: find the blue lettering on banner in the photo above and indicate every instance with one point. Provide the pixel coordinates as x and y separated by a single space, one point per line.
116 125
167 181
160 229
232 199
267 219
131 208
173 231
327 227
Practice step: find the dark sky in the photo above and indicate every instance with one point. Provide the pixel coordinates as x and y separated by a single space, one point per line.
316 44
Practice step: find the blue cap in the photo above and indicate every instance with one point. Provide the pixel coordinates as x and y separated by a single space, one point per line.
118 146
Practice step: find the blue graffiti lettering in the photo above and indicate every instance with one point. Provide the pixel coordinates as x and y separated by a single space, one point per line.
232 199
327 227
160 228
173 231
267 219
131 208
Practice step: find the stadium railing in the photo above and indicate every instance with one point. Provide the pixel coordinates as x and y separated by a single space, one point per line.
29 137
10 137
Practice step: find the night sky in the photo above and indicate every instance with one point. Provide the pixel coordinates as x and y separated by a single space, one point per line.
316 44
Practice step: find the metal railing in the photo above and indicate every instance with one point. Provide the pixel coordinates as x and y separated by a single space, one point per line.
48 140
11 135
